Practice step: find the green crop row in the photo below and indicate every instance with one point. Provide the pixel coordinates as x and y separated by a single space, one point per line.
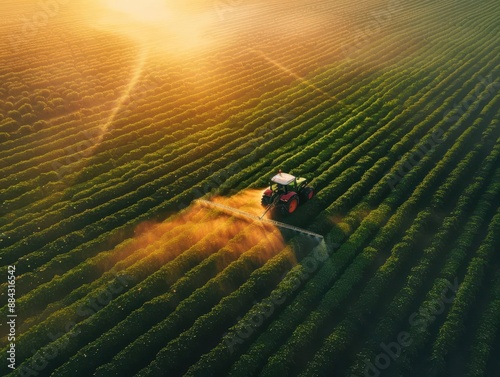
421 331
142 350
484 336
399 306
465 298
186 349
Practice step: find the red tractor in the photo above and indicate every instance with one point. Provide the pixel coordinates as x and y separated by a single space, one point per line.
286 192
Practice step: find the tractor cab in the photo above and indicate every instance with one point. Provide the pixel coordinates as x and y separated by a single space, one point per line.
283 183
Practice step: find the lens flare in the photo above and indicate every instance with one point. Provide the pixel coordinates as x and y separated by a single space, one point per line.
136 75
288 71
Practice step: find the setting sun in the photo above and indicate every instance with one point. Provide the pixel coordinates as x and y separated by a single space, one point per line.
169 25
142 11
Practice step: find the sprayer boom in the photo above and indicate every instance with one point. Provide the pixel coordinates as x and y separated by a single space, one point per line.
257 218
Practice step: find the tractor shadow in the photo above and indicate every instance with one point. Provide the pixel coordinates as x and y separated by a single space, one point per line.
302 217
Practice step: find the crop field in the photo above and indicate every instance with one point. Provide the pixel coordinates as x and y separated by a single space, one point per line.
117 116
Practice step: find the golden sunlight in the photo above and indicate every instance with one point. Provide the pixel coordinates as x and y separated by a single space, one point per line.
171 25
143 10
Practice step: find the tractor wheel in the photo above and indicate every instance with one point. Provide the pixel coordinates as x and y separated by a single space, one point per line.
307 194
291 205
266 200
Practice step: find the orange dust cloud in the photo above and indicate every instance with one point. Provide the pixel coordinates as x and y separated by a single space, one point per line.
247 200
205 230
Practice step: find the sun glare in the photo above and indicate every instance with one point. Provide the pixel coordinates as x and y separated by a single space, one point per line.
142 11
171 25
